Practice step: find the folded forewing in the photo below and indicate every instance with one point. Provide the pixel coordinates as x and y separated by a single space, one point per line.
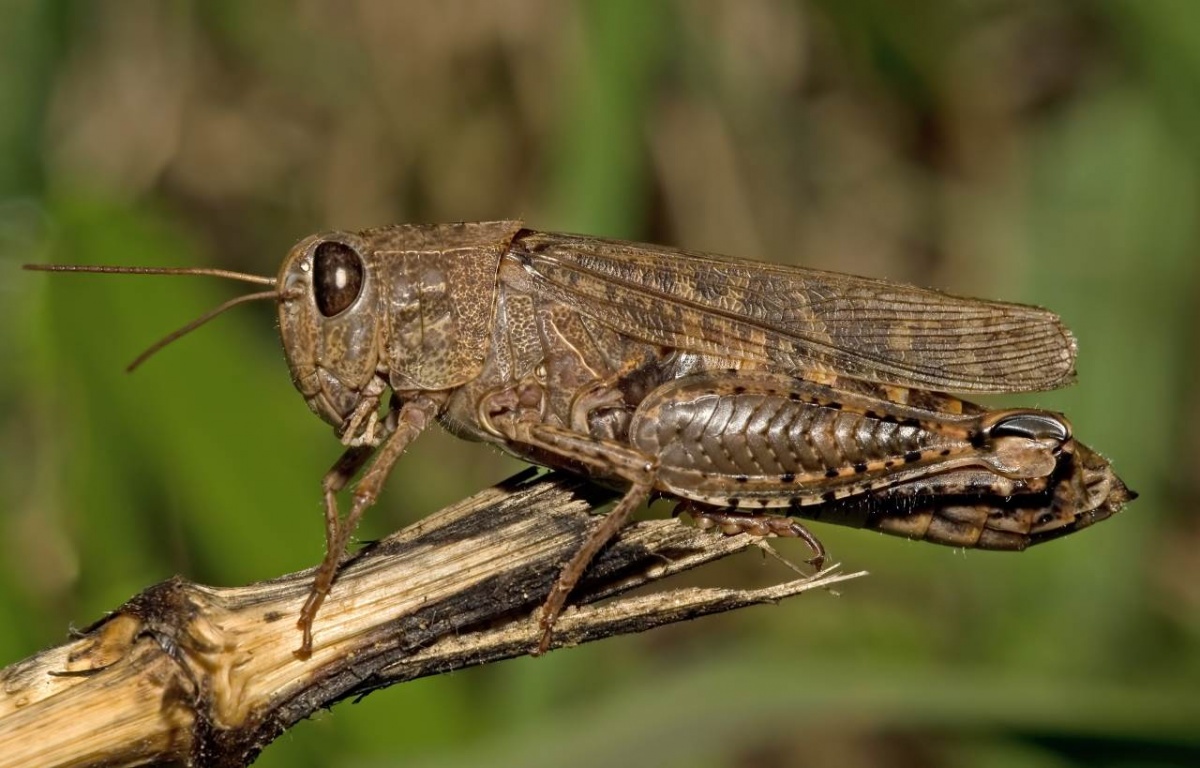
801 319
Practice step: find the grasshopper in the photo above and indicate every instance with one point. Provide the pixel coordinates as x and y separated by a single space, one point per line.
752 393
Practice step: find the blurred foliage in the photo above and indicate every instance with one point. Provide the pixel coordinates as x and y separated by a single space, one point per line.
1032 150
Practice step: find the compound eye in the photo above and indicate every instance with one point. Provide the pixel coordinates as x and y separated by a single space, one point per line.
337 277
1033 426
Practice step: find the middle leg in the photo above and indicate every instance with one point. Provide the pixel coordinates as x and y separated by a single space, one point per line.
609 458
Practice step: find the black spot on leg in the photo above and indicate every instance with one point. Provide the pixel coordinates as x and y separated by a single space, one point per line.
945 452
831 473
741 479
860 467
912 457
829 496
739 390
787 477
735 502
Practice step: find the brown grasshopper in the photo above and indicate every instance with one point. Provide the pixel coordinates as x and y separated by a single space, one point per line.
739 388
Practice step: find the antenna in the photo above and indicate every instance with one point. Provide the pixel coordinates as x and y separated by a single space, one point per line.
194 324
103 270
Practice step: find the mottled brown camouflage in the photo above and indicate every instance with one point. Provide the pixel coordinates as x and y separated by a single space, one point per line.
733 386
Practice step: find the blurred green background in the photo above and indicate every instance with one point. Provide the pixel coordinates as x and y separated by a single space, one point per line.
1032 150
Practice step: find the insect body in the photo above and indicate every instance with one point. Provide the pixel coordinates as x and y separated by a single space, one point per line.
735 387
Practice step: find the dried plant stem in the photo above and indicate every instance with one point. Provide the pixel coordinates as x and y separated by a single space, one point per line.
206 676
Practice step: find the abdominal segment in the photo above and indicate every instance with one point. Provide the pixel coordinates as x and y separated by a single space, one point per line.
947 471
770 441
